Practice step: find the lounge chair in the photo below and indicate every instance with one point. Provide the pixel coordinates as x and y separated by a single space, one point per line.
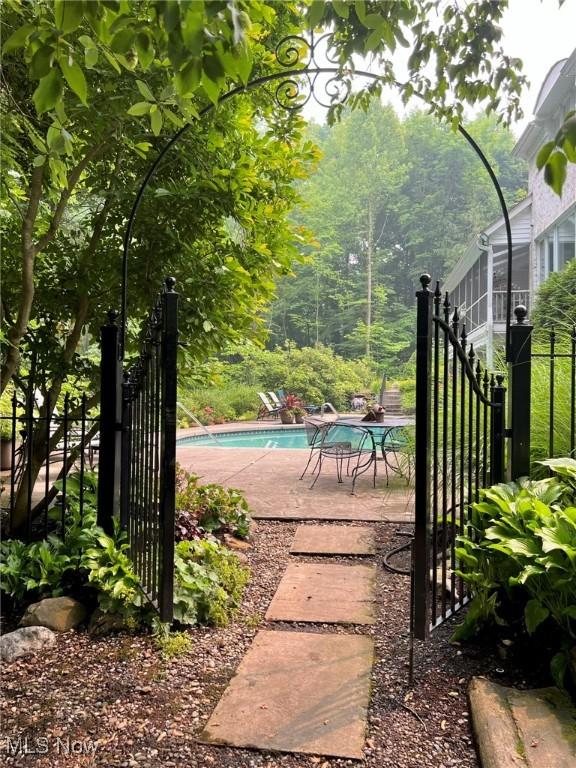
275 400
266 409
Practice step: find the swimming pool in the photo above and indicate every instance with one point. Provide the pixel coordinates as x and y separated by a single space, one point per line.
293 437
255 438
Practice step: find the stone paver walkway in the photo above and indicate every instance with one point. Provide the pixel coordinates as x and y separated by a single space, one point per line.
298 691
333 540
326 593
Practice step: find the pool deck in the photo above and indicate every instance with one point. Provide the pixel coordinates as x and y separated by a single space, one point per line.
270 478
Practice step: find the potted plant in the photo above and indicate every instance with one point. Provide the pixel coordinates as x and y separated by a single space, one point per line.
5 444
299 414
375 413
286 415
288 411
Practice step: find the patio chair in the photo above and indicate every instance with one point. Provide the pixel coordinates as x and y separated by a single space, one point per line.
274 399
351 444
266 409
398 445
315 432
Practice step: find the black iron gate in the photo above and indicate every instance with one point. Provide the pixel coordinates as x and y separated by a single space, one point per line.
460 411
138 447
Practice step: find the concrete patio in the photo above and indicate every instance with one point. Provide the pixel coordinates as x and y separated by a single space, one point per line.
270 478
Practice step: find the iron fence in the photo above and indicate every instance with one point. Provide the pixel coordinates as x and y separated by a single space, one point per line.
138 472
41 445
459 450
543 394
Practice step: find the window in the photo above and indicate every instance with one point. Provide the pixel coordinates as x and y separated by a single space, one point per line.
557 247
566 244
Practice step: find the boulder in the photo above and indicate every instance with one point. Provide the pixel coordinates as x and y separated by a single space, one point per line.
24 642
58 613
237 544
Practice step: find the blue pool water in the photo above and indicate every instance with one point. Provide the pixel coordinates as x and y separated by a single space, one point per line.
261 438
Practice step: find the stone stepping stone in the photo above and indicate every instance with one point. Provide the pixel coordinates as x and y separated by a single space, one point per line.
333 540
522 728
326 593
297 692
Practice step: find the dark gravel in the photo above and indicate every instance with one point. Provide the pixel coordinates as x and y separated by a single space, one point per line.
118 695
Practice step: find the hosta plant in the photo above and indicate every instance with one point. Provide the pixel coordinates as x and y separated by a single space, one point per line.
521 549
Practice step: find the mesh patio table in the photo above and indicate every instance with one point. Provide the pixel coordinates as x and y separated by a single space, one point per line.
382 432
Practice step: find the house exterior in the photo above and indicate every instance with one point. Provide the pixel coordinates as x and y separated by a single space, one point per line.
543 228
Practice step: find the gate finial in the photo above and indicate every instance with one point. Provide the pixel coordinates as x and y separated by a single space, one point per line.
520 313
425 281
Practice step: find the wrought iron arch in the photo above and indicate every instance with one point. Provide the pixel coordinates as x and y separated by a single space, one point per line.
288 95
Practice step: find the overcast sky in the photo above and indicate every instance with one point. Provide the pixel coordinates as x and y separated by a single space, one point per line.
537 31
540 33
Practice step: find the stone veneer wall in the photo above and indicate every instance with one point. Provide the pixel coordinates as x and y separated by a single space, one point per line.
546 205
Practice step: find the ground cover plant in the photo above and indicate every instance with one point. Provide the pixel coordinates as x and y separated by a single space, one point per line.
519 558
209 509
82 561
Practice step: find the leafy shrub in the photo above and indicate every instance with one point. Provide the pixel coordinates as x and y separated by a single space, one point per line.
316 374
521 550
209 508
555 304
209 583
407 389
84 560
220 403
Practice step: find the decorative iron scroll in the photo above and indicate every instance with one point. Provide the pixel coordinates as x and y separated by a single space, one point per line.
319 80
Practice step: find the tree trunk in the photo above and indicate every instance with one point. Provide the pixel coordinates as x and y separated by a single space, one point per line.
18 329
369 257
317 320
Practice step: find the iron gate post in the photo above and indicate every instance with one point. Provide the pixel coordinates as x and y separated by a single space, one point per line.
168 449
422 462
520 379
110 404
498 431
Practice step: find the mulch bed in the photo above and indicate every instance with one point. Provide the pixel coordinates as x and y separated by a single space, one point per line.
118 696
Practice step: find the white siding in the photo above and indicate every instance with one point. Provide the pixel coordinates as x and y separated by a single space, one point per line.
521 226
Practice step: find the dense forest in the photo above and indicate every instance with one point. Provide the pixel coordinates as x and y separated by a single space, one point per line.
390 199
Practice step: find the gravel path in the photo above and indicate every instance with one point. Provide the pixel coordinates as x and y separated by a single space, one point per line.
118 695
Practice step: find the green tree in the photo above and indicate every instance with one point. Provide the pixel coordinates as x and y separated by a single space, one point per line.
215 216
429 195
91 89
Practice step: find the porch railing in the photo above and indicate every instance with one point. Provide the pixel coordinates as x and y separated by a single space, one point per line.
499 303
